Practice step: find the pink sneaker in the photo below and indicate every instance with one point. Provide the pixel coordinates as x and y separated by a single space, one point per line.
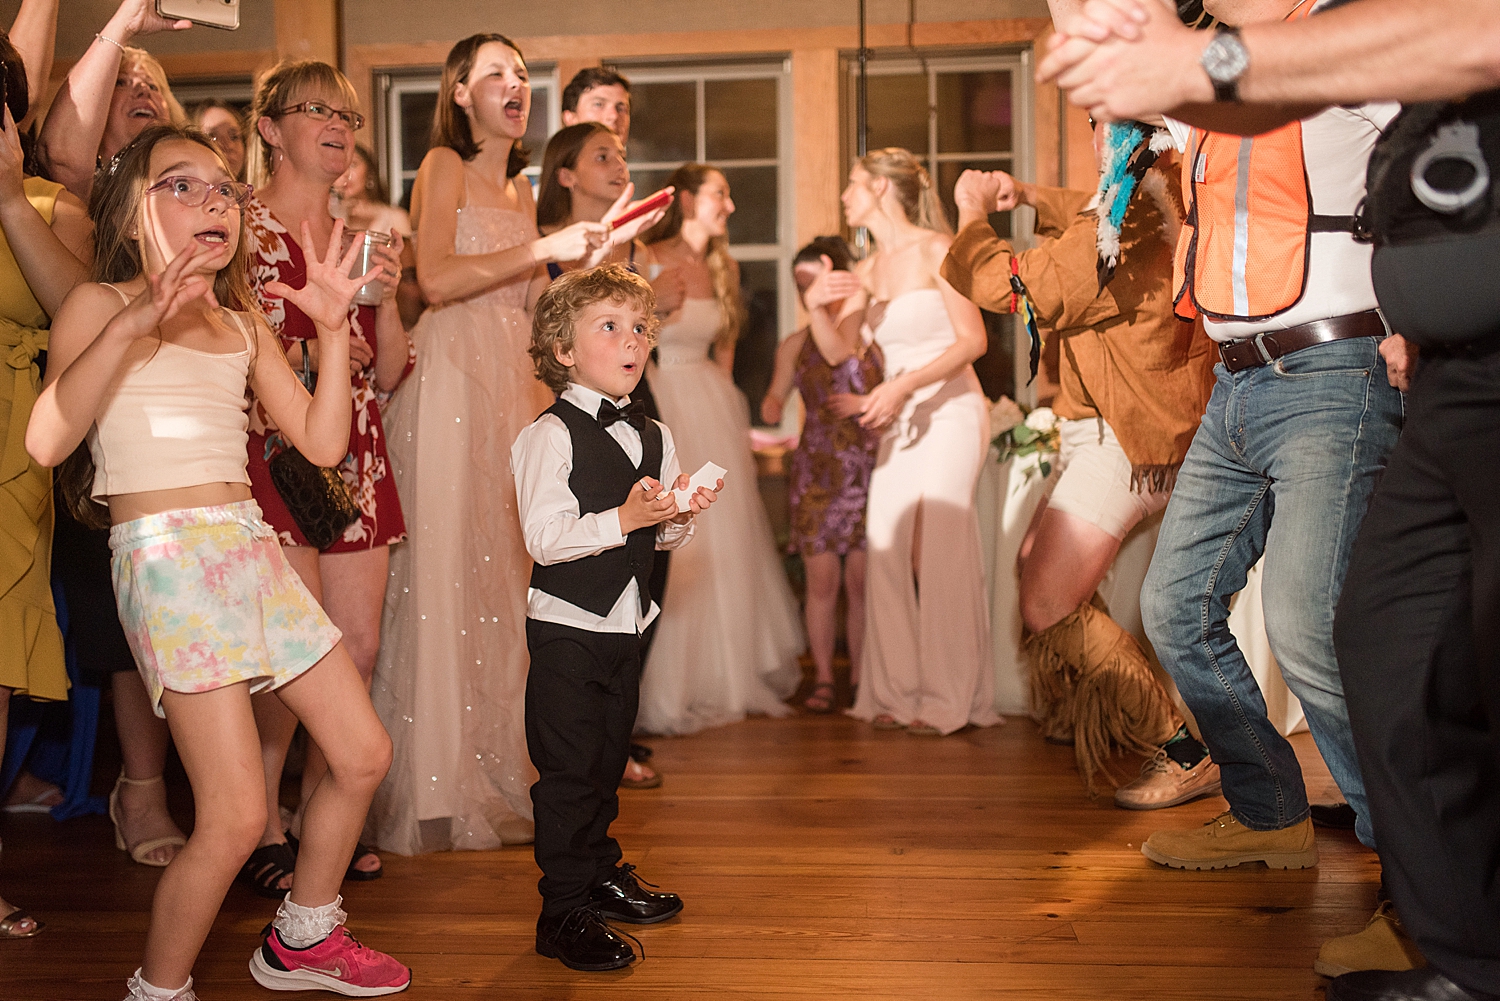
338 963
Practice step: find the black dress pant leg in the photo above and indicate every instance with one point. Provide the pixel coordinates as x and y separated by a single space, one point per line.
581 695
1418 639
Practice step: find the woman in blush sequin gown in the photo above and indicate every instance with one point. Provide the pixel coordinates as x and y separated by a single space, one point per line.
828 476
451 677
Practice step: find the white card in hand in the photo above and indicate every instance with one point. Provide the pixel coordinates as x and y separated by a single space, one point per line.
706 476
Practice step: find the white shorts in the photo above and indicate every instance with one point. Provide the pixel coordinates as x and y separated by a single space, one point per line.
1094 483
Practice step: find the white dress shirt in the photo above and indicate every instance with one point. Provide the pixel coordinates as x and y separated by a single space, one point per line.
555 531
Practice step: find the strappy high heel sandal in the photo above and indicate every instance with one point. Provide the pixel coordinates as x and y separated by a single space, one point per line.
14 920
141 851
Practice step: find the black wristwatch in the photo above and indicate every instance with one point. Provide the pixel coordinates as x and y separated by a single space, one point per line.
1225 61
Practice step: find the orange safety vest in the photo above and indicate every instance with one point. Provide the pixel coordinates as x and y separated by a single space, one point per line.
1242 254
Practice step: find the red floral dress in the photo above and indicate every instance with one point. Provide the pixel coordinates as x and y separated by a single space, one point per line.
275 256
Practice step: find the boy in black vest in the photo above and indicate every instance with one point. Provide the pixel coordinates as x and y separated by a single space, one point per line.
589 475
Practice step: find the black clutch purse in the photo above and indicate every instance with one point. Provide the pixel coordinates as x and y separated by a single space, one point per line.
316 496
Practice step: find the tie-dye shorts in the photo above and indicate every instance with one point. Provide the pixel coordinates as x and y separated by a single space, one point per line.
208 600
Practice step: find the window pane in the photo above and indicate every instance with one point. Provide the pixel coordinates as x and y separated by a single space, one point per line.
739 119
948 177
416 127
755 354
663 122
974 112
538 128
997 368
898 112
648 181
753 190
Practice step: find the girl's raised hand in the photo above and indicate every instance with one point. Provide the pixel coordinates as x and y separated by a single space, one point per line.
831 286
12 172
165 295
329 290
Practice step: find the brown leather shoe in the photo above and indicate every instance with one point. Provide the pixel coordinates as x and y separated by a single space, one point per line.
1163 783
1383 945
1225 842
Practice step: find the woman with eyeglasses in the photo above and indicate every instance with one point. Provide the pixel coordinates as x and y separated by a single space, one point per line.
304 121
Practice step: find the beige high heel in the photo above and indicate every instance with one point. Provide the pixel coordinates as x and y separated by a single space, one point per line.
140 852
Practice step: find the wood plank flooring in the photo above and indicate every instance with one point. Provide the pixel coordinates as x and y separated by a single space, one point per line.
818 859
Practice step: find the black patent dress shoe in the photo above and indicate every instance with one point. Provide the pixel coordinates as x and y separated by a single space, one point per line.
622 898
1425 984
582 941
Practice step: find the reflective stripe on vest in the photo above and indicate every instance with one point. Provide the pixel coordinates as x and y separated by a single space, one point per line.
1242 253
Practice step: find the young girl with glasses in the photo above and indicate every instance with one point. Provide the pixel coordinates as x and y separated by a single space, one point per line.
151 367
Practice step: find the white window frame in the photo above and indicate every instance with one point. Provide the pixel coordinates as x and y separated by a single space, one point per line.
1021 155
429 81
784 249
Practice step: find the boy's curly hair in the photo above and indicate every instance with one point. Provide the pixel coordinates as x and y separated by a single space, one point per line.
561 302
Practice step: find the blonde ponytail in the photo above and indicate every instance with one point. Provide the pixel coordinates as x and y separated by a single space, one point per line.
912 184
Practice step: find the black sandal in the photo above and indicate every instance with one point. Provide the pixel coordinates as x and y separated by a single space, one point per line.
360 875
266 867
639 753
351 874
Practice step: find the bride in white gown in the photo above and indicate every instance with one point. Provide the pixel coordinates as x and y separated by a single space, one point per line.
729 634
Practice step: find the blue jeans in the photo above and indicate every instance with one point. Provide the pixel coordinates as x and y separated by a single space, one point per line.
1283 464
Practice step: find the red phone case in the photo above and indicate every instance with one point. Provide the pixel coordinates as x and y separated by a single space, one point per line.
651 204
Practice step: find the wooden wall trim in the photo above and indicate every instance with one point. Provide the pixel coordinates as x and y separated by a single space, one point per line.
586 50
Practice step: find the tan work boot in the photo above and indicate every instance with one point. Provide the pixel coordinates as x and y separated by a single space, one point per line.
1224 842
1164 782
1383 945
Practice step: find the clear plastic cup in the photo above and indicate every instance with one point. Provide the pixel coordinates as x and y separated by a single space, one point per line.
372 293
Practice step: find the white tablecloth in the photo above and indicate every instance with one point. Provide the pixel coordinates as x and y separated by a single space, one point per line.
1006 498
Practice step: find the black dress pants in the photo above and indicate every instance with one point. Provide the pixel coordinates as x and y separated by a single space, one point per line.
581 697
1418 639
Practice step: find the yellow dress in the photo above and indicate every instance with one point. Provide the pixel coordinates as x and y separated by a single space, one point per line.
31 648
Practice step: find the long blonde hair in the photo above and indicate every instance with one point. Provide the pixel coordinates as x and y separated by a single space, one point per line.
913 187
689 178
115 208
286 81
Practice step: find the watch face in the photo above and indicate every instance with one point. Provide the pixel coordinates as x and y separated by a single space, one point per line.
1225 59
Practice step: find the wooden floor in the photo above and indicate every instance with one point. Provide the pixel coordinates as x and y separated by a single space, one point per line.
818 858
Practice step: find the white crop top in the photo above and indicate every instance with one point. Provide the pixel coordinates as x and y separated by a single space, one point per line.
173 417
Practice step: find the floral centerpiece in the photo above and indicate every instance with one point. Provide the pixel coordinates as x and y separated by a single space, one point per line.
1029 436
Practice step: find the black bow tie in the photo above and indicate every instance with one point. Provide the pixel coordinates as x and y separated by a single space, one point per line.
633 414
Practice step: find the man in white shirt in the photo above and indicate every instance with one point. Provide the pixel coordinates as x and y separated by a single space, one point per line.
1296 433
589 475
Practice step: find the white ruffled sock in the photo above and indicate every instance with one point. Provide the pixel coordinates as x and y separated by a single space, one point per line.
141 988
301 927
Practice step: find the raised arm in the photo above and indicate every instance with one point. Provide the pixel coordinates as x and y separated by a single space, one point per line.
317 424
69 144
53 259
444 274
34 34
1132 58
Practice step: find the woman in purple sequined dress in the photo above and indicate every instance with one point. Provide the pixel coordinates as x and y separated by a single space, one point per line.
829 473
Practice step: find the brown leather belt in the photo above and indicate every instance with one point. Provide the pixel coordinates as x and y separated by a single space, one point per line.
1266 347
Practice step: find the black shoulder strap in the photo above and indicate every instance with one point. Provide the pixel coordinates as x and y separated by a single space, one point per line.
1330 223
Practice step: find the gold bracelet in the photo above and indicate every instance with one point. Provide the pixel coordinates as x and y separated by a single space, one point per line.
106 38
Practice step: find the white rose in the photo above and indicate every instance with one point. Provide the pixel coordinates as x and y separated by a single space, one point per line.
1041 419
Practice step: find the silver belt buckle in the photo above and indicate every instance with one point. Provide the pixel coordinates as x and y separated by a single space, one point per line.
1260 346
